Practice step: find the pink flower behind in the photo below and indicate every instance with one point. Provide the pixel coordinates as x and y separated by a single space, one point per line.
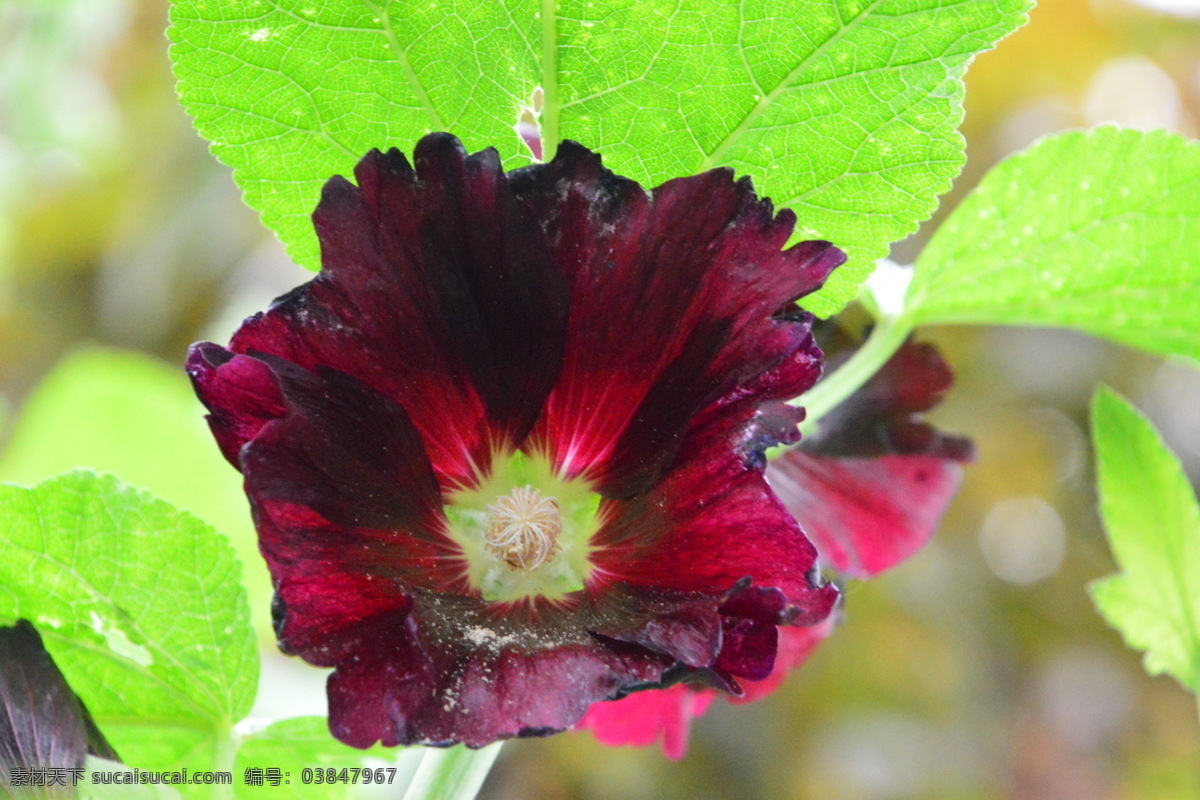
643 718
870 487
666 715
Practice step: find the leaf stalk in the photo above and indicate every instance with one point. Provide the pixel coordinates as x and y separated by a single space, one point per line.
452 773
885 339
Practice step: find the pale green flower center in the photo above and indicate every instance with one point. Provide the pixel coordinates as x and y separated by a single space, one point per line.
524 530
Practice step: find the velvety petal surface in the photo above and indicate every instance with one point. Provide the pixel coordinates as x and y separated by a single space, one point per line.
460 670
673 297
342 483
712 520
870 487
436 290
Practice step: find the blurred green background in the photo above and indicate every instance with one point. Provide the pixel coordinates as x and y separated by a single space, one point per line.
977 671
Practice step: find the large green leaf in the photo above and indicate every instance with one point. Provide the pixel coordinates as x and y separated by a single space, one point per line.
141 606
132 415
1153 524
1095 231
844 110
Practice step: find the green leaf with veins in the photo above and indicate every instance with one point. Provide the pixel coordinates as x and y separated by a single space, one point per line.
844 110
141 606
130 399
1153 524
1095 231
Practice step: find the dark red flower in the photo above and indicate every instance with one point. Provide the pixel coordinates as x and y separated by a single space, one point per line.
505 452
869 488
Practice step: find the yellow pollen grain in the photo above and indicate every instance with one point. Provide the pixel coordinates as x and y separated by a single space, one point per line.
523 528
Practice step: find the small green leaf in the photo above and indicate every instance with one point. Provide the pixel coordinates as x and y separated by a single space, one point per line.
1153 524
1095 231
844 110
305 742
132 415
141 606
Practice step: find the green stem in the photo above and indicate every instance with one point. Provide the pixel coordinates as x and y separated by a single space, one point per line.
226 756
885 339
452 773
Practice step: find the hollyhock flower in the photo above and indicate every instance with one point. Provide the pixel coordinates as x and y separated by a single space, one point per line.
869 488
505 452
43 724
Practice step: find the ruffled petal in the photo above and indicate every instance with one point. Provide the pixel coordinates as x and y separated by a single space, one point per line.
712 520
665 715
342 483
686 280
456 670
749 641
795 646
438 291
395 693
871 485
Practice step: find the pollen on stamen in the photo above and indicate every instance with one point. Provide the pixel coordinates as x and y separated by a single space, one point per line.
523 528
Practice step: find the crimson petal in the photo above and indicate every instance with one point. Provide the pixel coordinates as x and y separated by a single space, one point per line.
344 478
241 394
455 670
643 718
712 520
869 489
686 280
429 276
